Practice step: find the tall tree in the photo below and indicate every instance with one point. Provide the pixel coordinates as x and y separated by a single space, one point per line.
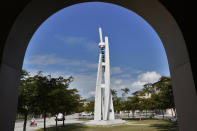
117 101
44 94
90 107
118 104
26 96
166 98
56 98
134 104
125 91
72 102
114 93
43 89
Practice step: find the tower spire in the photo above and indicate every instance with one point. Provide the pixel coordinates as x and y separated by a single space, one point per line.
100 34
103 108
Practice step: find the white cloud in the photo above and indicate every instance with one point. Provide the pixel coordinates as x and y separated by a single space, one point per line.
91 65
44 60
144 78
149 77
73 40
138 85
115 70
137 71
92 93
70 39
32 72
92 46
118 81
125 76
54 74
85 83
51 59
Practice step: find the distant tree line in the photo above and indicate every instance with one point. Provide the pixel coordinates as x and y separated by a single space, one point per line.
40 94
153 97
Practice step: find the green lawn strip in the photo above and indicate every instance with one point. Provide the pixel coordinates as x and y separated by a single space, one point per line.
150 121
83 119
158 124
153 125
102 128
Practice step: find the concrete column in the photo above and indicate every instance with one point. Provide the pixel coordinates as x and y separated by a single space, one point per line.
9 78
97 103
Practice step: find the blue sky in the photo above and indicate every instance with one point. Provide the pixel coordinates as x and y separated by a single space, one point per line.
67 44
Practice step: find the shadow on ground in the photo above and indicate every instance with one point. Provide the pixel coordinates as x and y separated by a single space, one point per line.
72 127
165 127
81 127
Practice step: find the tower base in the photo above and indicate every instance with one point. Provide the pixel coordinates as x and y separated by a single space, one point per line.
105 122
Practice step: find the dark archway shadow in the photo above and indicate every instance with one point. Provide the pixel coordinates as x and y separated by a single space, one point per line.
36 12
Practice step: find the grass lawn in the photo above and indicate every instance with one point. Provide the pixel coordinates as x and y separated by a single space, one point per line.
153 125
151 121
84 119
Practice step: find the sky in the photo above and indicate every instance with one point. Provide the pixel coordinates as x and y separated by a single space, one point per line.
67 44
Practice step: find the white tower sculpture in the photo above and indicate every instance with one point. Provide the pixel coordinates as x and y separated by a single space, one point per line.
103 108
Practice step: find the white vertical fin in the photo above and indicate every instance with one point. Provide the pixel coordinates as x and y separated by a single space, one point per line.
107 80
97 105
100 34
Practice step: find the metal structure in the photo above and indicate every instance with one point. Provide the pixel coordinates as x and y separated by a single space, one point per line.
103 108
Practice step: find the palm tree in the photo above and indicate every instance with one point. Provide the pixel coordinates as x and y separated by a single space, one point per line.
113 92
133 104
125 91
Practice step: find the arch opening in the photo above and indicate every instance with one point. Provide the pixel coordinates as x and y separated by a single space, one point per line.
168 31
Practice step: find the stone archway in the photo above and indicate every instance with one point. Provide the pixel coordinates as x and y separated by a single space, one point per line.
152 11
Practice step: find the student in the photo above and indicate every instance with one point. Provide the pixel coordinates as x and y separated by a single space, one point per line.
33 121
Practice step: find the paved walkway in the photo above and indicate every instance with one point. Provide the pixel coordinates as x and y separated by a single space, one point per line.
69 120
51 122
104 123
